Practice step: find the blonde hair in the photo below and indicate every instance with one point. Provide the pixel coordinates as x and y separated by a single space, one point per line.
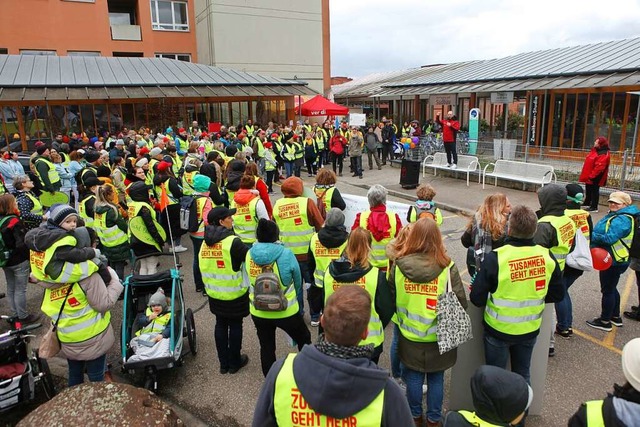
396 244
358 248
104 197
492 218
425 238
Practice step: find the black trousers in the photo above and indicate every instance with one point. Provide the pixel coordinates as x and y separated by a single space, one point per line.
228 336
592 198
450 149
294 326
387 152
335 158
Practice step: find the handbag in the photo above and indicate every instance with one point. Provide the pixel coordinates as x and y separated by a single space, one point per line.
580 257
454 324
50 344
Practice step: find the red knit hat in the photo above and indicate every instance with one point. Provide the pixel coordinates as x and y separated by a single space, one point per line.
143 151
65 139
163 166
181 130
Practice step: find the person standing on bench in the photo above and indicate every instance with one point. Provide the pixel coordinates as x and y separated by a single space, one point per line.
450 128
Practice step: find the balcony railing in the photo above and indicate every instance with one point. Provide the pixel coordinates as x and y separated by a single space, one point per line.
126 32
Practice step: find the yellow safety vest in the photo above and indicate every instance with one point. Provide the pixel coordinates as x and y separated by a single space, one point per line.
158 191
66 160
580 218
321 137
78 322
109 236
368 282
252 270
201 202
220 280
70 272
516 307
299 150
595 418
82 210
250 129
323 257
620 249
326 194
54 177
187 183
268 166
176 165
406 130
378 248
260 147
245 221
345 133
37 206
133 210
414 216
292 410
476 421
289 152
416 305
157 325
291 216
566 232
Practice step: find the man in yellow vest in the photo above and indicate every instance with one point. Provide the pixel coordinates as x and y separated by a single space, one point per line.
499 397
221 260
46 171
514 283
322 374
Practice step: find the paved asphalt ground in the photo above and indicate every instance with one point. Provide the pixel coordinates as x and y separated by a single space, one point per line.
584 368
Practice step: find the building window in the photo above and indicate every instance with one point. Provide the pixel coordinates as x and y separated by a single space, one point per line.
82 53
37 52
4 51
179 56
81 1
128 54
169 15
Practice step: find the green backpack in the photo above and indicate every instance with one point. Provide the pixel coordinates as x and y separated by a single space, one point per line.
5 252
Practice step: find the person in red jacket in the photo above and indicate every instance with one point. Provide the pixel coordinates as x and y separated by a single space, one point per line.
450 128
337 145
594 172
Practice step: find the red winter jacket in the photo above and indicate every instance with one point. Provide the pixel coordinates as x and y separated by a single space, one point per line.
596 167
337 144
449 131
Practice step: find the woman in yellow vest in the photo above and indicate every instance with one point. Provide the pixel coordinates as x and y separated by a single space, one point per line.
81 311
31 211
146 236
420 274
326 192
326 245
111 229
165 180
204 204
354 268
249 210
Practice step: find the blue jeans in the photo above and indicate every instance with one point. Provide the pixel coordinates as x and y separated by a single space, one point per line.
497 353
609 287
564 308
95 370
396 366
17 277
197 275
435 392
288 167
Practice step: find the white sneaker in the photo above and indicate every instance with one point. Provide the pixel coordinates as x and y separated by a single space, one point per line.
448 165
315 323
179 249
454 166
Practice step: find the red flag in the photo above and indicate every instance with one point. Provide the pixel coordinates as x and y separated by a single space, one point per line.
164 198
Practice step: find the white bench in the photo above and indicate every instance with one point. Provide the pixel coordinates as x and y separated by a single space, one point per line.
438 160
532 173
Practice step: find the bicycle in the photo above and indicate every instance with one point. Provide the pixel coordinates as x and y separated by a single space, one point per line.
433 143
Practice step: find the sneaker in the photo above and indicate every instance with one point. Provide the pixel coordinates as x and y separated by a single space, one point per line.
315 323
178 249
633 315
616 321
454 166
592 210
32 318
564 333
272 192
360 176
244 360
448 165
598 323
340 174
224 370
309 175
552 351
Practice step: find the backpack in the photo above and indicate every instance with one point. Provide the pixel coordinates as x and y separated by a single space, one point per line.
5 251
189 213
426 213
267 291
634 249
320 204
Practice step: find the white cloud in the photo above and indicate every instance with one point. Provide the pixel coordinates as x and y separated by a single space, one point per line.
374 35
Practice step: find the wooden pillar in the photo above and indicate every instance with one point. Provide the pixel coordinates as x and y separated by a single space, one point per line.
23 134
416 107
472 101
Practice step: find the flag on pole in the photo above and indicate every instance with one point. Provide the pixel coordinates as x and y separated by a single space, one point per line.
164 197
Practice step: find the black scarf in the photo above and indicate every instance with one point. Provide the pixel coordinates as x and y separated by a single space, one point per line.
344 352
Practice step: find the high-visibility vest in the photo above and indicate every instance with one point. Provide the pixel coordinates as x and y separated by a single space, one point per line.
326 194
82 210
565 232
260 147
268 166
476 421
250 129
299 150
406 130
252 270
595 418
291 216
157 325
414 214
323 257
230 195
307 128
289 152
416 305
176 165
78 321
369 282
291 408
201 202
66 160
133 210
345 133
580 218
312 145
516 307
52 173
220 280
109 236
70 272
158 191
378 248
245 221
321 137
37 206
88 169
620 249
187 183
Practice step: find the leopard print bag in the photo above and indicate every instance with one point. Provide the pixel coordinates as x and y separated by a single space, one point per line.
454 324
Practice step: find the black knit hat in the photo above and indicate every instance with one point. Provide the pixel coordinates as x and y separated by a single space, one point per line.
267 231
91 156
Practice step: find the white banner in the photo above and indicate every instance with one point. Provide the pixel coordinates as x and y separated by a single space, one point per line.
358 204
357 119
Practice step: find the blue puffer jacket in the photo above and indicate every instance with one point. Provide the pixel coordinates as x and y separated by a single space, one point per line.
619 228
266 253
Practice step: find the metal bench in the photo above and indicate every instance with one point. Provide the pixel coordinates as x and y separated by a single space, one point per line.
532 173
438 160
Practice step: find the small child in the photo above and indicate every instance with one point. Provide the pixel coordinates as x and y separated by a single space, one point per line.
62 253
155 322
425 206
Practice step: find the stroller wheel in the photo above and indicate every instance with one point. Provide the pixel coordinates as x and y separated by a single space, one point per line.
150 383
191 332
46 379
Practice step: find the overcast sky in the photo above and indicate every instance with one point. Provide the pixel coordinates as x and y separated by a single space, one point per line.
369 36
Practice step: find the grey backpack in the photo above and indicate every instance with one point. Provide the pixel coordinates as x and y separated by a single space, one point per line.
267 292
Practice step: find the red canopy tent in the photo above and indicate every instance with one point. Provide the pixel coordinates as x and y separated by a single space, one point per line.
321 106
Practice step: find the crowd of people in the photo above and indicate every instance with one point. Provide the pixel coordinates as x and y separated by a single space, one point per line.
127 194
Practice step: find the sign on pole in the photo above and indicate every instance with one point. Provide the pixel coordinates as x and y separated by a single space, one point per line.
474 130
357 119
501 97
